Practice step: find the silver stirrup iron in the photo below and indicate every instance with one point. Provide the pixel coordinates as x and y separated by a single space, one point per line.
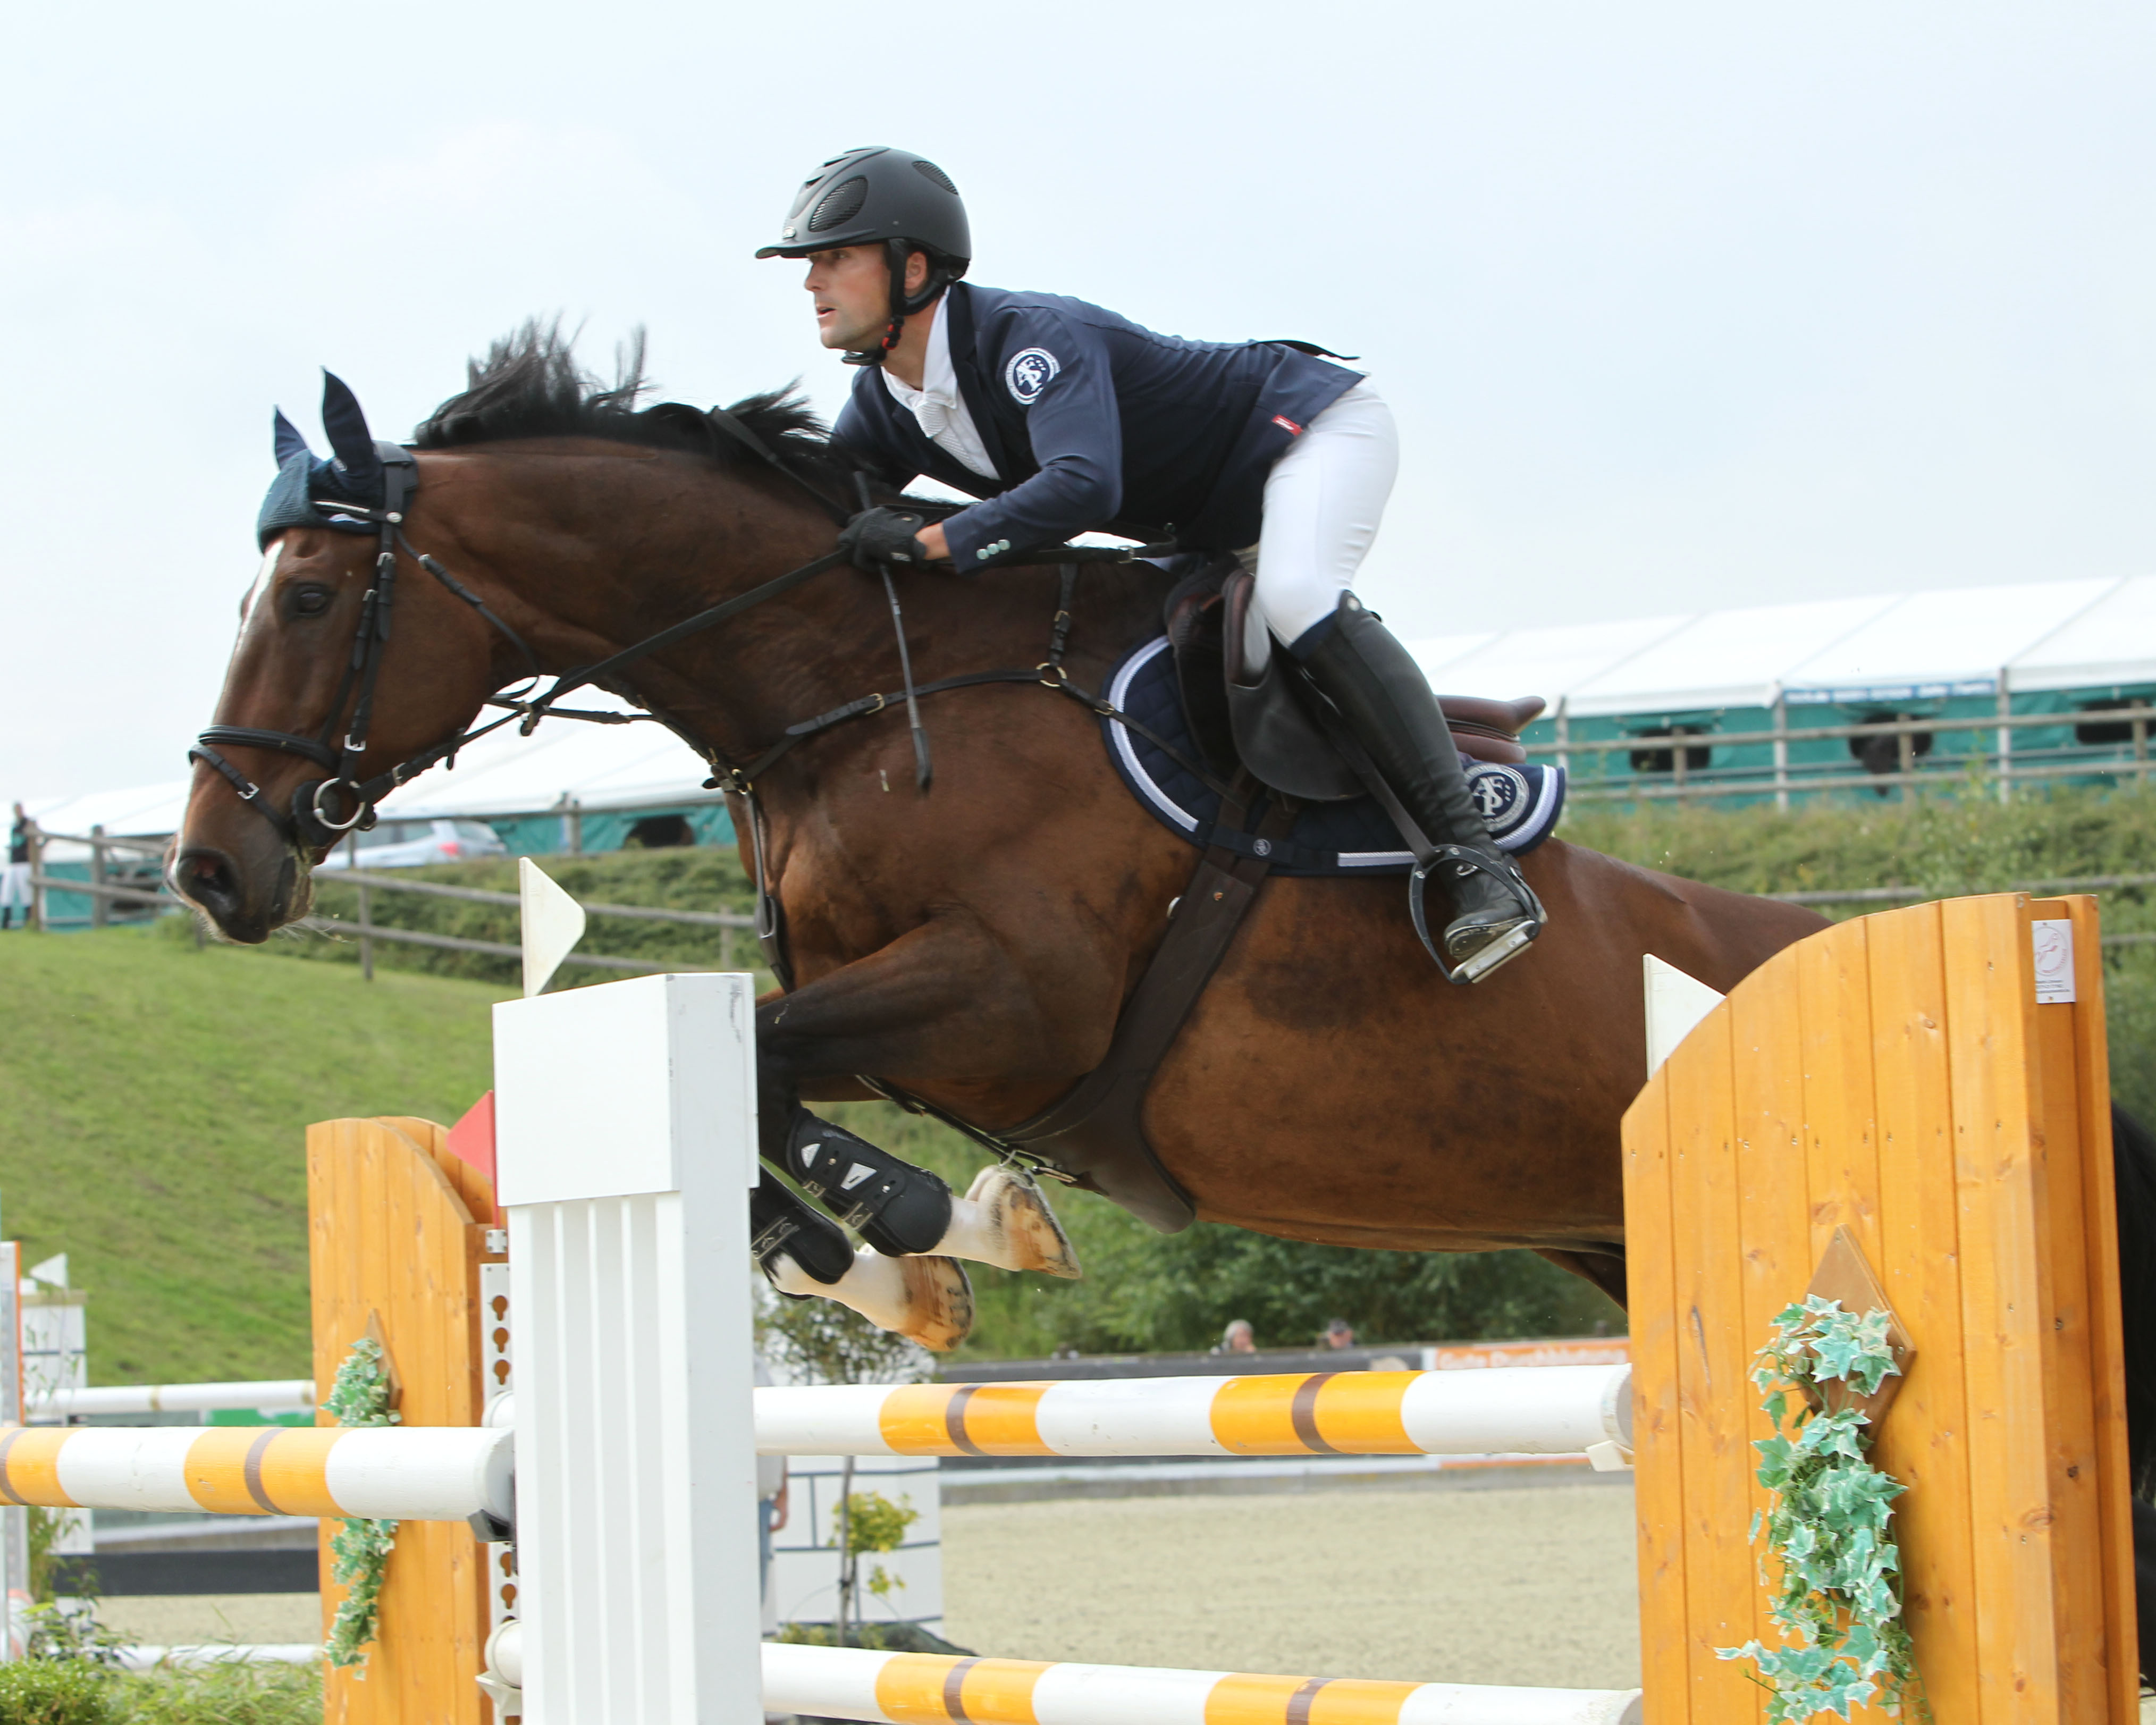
1491 955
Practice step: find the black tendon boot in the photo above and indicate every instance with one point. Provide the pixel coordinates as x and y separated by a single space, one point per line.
895 1207
1386 703
779 1223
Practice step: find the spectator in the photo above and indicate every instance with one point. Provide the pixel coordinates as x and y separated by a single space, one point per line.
1339 1334
1237 1337
15 885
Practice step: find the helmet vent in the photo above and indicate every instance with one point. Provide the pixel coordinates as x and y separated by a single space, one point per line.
934 175
841 204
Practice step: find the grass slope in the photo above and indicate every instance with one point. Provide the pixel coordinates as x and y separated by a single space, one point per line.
156 1100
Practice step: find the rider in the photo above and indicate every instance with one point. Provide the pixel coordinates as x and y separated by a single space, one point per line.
1064 417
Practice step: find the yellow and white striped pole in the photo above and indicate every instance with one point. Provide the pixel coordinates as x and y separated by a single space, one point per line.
408 1473
1551 1410
928 1689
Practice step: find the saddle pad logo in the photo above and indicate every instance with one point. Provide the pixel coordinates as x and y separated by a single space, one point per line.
1030 371
1500 794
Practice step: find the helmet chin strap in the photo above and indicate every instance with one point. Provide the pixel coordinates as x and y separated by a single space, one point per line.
897 252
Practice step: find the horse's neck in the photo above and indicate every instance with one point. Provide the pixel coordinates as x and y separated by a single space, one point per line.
637 545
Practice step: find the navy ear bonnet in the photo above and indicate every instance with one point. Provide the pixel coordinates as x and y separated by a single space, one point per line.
303 479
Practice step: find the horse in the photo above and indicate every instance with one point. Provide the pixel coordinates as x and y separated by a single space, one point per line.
971 944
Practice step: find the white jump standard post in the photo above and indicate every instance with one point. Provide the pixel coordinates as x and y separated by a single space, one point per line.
625 1147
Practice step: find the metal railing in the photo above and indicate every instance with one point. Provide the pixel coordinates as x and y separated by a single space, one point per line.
105 896
2001 765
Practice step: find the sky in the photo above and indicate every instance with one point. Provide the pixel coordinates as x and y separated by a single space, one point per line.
1679 306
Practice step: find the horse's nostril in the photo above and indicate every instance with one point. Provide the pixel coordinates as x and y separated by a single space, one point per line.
206 877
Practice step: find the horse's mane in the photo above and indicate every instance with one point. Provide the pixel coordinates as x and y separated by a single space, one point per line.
530 385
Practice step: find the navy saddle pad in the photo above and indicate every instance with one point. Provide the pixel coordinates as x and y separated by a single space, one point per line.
1520 803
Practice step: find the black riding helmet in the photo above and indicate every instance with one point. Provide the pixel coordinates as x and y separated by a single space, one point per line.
883 197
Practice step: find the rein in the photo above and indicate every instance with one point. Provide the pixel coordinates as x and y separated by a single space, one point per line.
309 824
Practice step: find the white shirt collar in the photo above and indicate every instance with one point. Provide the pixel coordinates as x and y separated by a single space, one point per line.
937 406
939 378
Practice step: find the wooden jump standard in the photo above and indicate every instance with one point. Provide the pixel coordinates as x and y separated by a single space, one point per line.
1897 1077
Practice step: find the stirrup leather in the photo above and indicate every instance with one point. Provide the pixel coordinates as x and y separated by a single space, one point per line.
1497 951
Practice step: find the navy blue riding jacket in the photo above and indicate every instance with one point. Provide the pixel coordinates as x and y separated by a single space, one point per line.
1094 423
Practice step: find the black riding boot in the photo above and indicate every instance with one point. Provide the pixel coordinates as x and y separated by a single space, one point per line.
1381 695
898 1208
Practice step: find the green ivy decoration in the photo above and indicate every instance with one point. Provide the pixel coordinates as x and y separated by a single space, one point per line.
361 1549
1839 1594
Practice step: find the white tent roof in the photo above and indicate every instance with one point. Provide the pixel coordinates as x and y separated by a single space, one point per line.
1725 658
2110 641
1959 639
2053 634
601 766
1549 662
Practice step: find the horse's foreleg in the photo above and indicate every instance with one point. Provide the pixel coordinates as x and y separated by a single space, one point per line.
927 1299
939 986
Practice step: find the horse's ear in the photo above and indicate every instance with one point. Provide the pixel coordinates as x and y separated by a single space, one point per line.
286 437
350 440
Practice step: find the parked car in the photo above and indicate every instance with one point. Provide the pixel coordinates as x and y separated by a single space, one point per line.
407 843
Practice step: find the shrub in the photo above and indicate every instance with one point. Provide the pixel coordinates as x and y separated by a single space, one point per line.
56 1692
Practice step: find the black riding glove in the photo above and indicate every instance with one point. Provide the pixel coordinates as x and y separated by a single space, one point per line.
883 536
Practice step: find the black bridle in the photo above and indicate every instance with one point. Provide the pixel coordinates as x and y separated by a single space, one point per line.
311 821
308 823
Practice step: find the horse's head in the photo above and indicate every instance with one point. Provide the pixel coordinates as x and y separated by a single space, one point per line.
322 698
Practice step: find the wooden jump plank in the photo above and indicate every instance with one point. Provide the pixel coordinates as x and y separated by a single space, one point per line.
1658 1483
1988 987
2078 1288
1713 1354
2092 1084
1923 1443
1767 1038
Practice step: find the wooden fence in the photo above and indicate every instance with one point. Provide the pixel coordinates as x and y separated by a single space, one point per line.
138 891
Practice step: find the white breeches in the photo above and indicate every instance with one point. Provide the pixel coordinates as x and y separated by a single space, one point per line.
1323 502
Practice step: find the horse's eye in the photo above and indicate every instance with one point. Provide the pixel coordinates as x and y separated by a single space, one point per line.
309 601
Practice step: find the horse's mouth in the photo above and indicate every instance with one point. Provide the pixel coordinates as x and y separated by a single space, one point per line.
217 886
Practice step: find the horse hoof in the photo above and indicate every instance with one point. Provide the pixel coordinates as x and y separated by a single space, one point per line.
928 1300
1015 1212
939 1302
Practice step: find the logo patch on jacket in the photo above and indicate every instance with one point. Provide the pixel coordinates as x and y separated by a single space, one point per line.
1028 371
1287 424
